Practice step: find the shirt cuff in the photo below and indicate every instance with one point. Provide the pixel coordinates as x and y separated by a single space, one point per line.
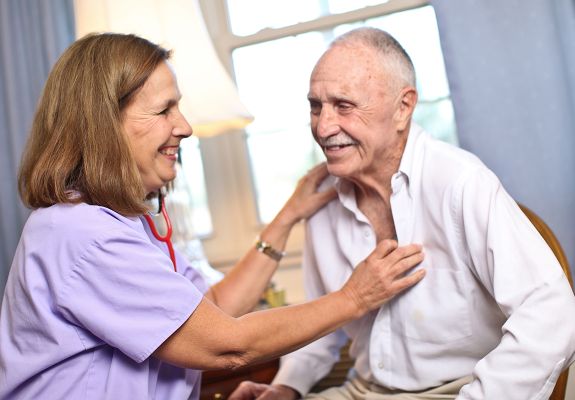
299 374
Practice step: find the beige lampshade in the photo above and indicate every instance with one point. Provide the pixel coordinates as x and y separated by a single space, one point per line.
210 100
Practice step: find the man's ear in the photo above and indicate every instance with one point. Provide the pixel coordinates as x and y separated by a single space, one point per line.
406 102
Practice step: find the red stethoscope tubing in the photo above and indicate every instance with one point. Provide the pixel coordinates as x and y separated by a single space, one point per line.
167 238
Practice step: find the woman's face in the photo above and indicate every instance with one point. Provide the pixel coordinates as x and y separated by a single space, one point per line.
155 126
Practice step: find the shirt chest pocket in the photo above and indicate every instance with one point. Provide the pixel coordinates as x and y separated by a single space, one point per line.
436 310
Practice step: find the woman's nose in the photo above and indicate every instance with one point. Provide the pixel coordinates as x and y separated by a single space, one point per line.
182 126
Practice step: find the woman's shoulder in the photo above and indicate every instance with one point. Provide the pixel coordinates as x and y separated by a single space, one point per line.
78 221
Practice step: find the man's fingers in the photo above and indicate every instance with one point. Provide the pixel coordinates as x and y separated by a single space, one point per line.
279 392
248 390
267 395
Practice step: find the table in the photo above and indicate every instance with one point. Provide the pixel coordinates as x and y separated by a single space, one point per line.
218 385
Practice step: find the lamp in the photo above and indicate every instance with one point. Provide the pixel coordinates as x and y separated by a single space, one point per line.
210 100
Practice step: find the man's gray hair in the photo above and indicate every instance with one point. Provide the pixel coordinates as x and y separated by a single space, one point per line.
395 58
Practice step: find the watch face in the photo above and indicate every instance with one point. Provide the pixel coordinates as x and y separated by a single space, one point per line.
261 246
267 249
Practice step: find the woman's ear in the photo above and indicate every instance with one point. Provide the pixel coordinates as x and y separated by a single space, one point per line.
406 102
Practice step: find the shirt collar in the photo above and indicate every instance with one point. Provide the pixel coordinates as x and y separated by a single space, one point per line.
405 174
408 159
407 168
346 193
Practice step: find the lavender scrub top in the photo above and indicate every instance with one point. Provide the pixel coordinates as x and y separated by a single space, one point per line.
90 296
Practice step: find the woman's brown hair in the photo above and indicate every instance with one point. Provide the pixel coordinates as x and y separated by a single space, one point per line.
77 151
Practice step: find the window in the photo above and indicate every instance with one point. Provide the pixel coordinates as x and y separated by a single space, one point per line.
270 48
278 14
275 90
192 173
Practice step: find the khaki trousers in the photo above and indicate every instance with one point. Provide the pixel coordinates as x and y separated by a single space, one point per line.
359 389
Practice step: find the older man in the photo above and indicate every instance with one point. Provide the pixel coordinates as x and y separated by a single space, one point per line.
494 317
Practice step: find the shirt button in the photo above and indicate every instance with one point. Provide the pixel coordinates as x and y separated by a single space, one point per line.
366 233
380 365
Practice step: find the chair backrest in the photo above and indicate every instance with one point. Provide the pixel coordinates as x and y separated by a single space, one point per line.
549 237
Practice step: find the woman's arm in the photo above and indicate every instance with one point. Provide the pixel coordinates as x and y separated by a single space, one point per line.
211 339
243 285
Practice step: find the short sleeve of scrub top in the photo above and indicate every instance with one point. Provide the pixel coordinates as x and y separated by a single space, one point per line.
121 288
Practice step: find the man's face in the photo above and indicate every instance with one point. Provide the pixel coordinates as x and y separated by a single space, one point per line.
354 112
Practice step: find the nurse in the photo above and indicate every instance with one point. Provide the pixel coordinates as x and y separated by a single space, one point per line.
93 308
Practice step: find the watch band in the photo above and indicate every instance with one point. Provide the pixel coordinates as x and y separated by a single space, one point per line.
267 249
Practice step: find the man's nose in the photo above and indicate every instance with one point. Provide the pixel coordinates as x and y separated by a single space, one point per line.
327 124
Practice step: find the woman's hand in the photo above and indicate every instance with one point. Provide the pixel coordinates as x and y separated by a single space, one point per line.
241 288
383 274
212 339
306 200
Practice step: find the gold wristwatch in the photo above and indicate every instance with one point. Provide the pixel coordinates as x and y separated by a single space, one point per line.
268 250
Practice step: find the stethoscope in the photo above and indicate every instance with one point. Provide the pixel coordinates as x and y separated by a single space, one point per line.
167 238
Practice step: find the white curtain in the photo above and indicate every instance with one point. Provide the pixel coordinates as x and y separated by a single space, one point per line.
511 70
33 33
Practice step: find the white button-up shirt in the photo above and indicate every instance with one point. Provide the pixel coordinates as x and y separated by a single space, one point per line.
494 302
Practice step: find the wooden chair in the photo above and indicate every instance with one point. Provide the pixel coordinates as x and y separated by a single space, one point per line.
338 374
553 243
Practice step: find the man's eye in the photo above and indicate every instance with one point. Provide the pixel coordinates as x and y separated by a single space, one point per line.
344 106
164 111
314 108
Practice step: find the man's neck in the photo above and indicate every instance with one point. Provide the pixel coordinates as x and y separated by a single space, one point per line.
373 191
376 206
